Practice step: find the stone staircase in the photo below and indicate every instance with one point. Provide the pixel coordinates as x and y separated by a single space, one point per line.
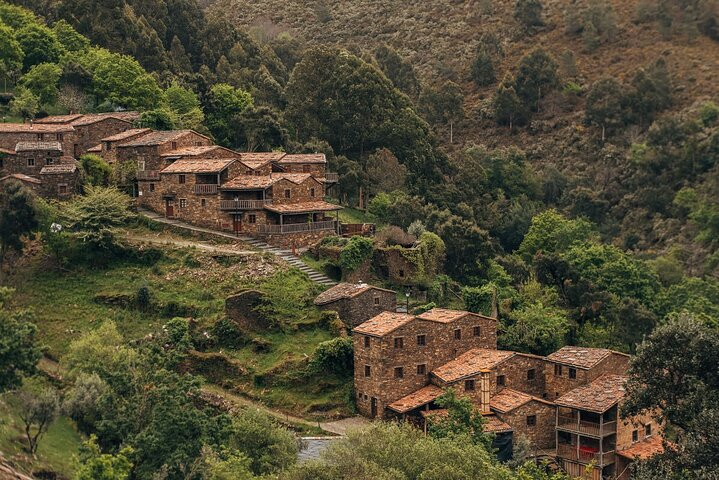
285 255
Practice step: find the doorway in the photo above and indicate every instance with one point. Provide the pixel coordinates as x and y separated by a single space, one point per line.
373 407
169 208
237 223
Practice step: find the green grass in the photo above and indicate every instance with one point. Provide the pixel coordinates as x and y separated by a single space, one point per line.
353 215
55 451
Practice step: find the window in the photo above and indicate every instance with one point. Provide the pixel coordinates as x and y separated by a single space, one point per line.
288 193
30 162
376 301
367 371
141 165
251 218
421 369
180 179
421 340
108 146
401 273
1 162
62 189
305 169
312 192
174 145
39 137
648 430
477 331
183 203
572 372
59 137
557 370
152 187
500 380
468 385
531 420
199 144
366 341
635 436
398 372
203 202
398 342
531 374
458 334
49 161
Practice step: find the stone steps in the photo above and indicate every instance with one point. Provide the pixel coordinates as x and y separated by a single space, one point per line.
283 254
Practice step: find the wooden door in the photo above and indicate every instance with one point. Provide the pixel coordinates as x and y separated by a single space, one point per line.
169 208
373 407
237 223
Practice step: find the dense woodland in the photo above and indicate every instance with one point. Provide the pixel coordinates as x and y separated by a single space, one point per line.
565 153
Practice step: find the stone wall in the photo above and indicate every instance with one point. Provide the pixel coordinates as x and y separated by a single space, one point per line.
8 140
88 136
317 170
542 434
296 240
18 162
151 154
241 309
395 267
515 370
51 183
360 308
558 385
298 192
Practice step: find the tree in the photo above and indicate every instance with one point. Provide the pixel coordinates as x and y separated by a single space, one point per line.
443 105
469 248
11 54
185 107
261 129
529 13
269 447
224 104
95 465
552 232
39 44
482 70
24 104
508 108
604 105
674 378
462 419
384 172
18 217
69 38
535 328
38 406
159 119
97 171
19 352
536 76
73 98
398 70
82 401
92 218
42 81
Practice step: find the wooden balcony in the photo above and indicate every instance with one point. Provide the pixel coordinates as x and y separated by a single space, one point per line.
571 452
244 204
206 188
148 175
332 177
296 227
571 424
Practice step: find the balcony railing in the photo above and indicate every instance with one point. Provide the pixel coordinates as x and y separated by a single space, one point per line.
296 227
570 452
148 175
332 177
244 204
206 188
570 423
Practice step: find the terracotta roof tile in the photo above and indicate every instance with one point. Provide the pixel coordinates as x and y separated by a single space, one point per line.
21 177
200 150
261 157
443 315
156 138
304 158
199 165
416 399
293 177
81 119
644 449
96 149
582 357
471 363
59 118
344 290
133 132
508 399
304 207
38 146
59 168
35 128
383 324
249 182
598 396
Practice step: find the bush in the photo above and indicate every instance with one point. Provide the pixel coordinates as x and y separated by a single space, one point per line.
357 251
227 334
143 298
336 356
394 235
97 171
479 299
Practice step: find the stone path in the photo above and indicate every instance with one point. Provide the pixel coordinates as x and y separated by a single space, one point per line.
285 255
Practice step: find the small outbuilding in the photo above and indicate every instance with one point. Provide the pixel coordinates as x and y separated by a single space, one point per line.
357 302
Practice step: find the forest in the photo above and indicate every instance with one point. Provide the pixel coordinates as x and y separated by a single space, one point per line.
566 154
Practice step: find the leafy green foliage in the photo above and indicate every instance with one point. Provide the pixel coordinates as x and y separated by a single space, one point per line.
11 53
97 171
25 104
551 232
357 251
39 44
225 102
336 356
463 420
19 352
286 294
18 217
95 465
269 447
529 13
42 80
398 70
535 328
38 406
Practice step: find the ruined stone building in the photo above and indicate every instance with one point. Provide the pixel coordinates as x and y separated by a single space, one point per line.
357 302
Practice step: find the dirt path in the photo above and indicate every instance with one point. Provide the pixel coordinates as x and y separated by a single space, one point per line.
164 240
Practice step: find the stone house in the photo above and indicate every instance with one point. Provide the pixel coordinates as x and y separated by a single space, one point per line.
30 182
90 128
590 435
29 158
13 133
570 367
262 163
528 415
357 302
395 353
59 181
107 148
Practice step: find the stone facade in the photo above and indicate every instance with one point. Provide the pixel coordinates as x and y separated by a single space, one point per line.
394 266
13 133
59 181
535 420
30 162
147 150
562 377
88 135
240 308
358 308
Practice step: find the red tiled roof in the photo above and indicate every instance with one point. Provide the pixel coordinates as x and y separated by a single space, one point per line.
492 425
199 165
293 177
157 138
21 177
96 149
344 290
261 157
249 182
383 324
581 357
80 119
598 396
508 399
35 128
199 150
304 158
443 315
471 363
38 146
59 118
304 207
133 132
59 168
644 449
416 399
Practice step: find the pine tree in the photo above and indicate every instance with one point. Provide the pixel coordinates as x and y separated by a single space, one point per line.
529 13
483 69
604 105
536 76
508 108
590 37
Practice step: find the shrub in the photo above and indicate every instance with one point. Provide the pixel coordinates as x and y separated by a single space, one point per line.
228 334
357 251
394 235
479 299
97 171
143 298
336 356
